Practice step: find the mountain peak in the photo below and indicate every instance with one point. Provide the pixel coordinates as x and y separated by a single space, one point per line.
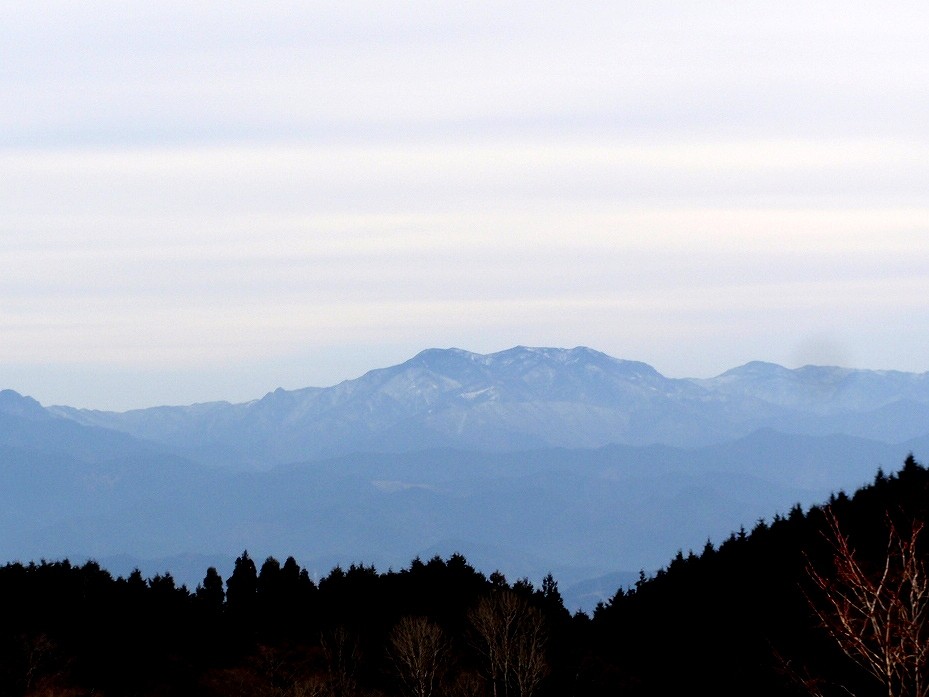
441 360
758 369
577 354
15 404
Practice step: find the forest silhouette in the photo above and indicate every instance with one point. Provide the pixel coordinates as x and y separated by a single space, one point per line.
750 615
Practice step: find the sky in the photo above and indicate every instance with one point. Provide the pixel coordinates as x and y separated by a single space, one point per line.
203 201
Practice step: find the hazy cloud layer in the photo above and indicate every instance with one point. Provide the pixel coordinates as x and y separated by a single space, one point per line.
208 201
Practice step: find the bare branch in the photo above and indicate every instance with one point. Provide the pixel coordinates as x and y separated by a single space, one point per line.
419 651
878 619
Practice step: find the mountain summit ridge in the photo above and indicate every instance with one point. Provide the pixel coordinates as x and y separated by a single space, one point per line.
527 397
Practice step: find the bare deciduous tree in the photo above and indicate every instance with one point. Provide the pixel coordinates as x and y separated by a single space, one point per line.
419 651
342 652
511 637
878 616
37 651
531 666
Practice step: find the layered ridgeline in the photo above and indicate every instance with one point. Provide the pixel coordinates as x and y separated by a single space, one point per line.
528 460
526 398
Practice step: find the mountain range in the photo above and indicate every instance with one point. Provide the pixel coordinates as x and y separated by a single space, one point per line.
528 460
525 398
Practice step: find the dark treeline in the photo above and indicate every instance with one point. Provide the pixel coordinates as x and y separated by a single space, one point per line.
270 630
734 619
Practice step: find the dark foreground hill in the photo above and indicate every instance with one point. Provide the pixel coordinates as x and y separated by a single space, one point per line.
738 619
733 620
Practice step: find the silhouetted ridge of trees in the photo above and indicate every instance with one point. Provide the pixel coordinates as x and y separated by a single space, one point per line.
70 629
736 619
748 615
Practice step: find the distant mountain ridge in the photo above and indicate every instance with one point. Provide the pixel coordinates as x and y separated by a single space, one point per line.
529 460
528 398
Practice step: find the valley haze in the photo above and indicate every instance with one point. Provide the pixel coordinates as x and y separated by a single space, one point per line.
528 460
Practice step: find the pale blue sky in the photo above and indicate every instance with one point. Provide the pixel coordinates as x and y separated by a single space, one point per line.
210 201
